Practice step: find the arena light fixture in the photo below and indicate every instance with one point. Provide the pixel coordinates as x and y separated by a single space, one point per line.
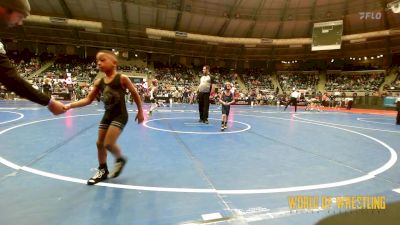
87 25
180 34
262 41
266 41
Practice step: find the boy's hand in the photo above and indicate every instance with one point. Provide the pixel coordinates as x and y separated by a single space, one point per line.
67 107
56 107
139 117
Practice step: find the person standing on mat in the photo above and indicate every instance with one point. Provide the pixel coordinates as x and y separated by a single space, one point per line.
226 99
153 96
12 13
293 99
204 90
113 87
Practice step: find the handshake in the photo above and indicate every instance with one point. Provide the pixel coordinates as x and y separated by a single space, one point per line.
57 107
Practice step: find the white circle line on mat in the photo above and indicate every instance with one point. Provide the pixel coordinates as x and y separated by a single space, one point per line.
247 126
9 121
367 176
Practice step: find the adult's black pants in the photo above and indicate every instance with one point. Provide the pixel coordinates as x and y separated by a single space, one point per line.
292 101
204 105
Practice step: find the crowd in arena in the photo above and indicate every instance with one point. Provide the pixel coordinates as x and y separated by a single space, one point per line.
395 85
365 81
26 68
74 76
300 80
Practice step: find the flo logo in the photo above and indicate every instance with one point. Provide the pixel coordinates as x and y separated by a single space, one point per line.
370 15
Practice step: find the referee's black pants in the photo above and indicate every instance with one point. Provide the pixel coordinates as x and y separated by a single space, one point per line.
294 102
204 105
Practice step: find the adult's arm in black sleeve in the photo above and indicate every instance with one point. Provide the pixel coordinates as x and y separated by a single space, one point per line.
14 82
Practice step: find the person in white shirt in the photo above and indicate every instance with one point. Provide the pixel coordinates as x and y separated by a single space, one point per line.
204 90
348 102
145 85
293 99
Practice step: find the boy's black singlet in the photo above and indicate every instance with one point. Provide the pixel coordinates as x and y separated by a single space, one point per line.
227 99
114 103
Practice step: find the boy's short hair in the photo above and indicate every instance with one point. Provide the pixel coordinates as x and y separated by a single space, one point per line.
21 6
110 53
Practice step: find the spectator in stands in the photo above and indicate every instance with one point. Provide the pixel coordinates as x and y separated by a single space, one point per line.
12 13
46 87
185 95
325 100
205 88
78 92
3 92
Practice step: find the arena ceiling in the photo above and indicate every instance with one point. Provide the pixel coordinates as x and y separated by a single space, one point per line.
124 23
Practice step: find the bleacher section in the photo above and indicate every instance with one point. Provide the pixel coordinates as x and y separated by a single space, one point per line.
180 82
392 81
301 80
364 81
